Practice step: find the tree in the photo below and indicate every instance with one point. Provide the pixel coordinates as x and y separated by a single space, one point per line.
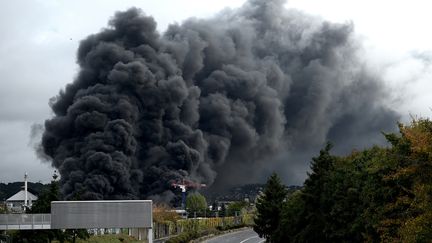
236 208
43 204
292 220
214 206
195 203
317 205
3 208
162 213
269 208
409 214
382 194
223 211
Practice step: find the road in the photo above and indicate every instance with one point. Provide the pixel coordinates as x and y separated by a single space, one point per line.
244 236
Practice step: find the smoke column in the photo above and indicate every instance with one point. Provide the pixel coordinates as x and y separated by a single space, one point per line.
211 100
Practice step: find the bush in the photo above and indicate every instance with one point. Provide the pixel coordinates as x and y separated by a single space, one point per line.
162 213
184 237
121 238
229 227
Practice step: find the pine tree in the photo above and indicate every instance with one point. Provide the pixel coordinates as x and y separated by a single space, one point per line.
317 205
269 208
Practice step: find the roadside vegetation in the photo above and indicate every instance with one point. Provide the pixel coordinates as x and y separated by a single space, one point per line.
196 228
164 213
382 194
168 225
120 238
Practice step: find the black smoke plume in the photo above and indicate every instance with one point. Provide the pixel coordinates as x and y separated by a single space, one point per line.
211 100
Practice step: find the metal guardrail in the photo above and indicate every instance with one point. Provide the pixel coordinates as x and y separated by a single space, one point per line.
25 221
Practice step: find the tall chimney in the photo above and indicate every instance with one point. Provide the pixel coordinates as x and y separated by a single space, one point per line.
25 189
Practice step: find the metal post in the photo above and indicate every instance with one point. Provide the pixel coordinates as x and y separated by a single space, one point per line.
25 191
150 235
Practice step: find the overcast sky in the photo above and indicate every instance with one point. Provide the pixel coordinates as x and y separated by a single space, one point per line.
39 39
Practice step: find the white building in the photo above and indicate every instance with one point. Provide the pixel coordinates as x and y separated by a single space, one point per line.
21 199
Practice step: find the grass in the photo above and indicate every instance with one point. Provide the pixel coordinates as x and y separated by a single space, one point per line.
121 238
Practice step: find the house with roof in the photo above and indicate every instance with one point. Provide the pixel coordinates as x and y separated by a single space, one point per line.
22 199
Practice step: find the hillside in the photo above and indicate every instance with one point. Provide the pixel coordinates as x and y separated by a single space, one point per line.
9 189
240 193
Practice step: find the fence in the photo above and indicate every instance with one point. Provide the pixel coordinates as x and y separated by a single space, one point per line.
170 228
25 221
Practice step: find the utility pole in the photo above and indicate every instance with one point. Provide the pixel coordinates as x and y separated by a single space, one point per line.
25 191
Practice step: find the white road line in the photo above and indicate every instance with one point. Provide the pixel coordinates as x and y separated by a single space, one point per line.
223 235
262 241
243 241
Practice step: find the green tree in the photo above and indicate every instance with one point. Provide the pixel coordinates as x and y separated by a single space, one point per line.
350 191
223 211
382 194
317 205
196 204
292 221
269 208
236 208
3 208
43 204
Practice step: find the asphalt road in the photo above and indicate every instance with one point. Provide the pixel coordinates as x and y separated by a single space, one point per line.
244 236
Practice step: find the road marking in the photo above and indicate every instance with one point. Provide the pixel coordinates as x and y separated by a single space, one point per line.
243 241
231 233
262 241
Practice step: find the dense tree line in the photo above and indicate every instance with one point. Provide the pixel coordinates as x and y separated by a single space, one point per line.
382 194
9 189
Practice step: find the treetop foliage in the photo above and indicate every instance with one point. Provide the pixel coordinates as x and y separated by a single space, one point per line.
269 208
381 194
195 203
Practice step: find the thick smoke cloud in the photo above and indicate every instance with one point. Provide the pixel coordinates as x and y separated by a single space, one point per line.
211 100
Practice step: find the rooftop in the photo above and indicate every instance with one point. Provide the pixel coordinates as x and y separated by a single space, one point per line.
20 196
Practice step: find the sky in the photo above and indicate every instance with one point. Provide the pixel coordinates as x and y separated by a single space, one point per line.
39 39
